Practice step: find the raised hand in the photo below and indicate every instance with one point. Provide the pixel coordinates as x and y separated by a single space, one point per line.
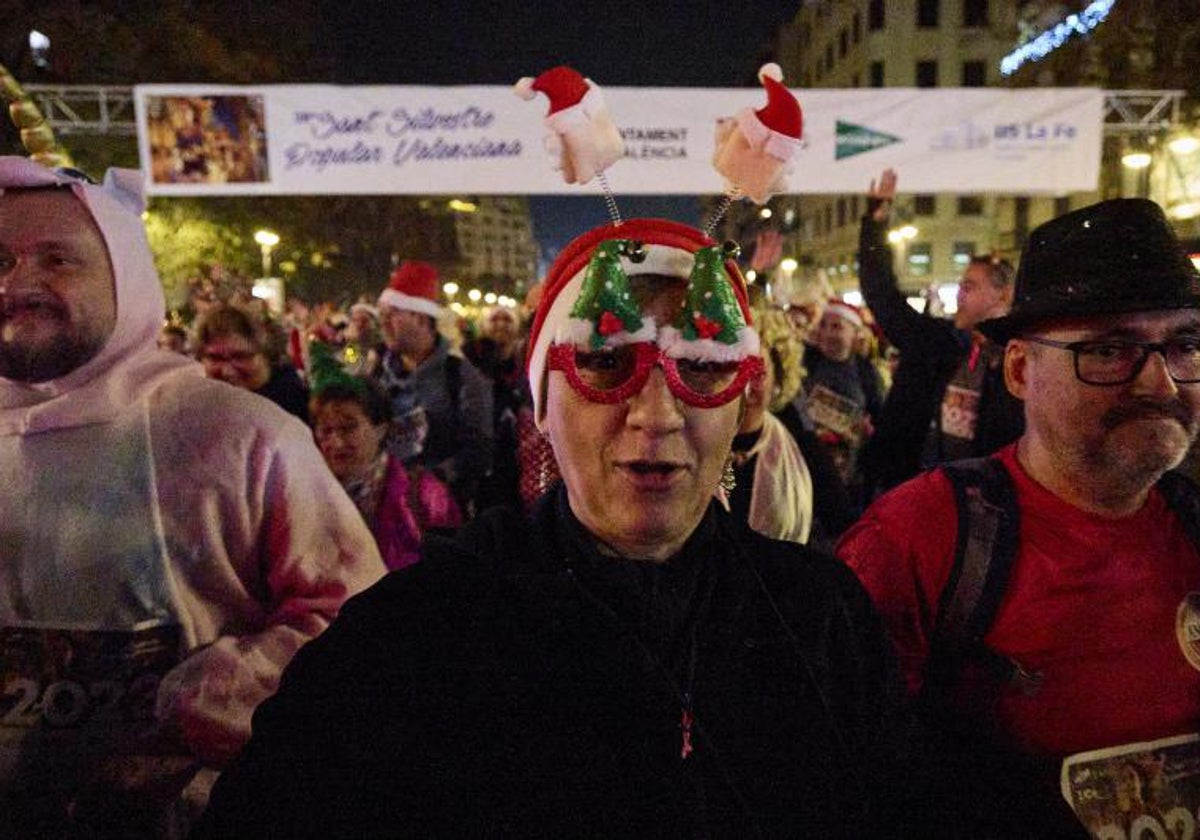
881 195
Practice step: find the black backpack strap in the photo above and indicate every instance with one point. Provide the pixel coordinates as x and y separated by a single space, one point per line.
1183 498
453 371
988 530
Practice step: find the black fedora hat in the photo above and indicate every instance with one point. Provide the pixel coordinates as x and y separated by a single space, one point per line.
1117 256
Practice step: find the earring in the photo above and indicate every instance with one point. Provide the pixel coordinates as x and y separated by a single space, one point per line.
728 478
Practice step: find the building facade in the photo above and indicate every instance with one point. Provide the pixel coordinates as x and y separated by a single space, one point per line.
961 43
896 43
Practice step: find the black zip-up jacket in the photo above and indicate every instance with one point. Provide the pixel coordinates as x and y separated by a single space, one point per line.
516 683
931 350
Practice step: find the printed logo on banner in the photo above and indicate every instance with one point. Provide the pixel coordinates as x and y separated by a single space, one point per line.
1018 140
856 139
965 137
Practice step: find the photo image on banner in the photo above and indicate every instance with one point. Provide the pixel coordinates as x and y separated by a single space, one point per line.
207 139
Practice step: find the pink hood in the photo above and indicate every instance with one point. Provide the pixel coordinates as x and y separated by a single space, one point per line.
130 365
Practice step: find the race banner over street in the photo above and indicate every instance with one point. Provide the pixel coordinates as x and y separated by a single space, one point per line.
322 139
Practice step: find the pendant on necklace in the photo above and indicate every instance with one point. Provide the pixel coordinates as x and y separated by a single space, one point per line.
685 732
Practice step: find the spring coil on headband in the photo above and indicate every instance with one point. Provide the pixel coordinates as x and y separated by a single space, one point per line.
36 134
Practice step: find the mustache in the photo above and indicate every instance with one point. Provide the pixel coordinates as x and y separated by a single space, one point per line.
12 302
1146 408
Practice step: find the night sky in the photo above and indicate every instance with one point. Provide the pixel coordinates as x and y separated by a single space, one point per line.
654 43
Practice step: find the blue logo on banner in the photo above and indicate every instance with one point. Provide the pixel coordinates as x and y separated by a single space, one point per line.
1015 140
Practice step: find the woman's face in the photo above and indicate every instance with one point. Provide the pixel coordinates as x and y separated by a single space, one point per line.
640 473
235 359
347 438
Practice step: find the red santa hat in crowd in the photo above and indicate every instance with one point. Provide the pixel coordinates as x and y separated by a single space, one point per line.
716 320
413 287
847 311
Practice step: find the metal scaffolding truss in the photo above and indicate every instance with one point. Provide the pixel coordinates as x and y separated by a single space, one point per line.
100 109
1132 112
86 109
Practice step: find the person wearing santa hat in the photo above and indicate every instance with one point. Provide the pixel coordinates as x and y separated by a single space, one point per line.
629 661
843 390
442 404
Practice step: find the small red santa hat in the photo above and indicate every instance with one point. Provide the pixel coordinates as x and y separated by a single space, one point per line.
779 124
848 311
413 286
564 86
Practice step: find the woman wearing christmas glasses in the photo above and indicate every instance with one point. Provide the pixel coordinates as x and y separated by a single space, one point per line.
629 661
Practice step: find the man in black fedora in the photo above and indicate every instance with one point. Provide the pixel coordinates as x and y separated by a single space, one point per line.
1045 602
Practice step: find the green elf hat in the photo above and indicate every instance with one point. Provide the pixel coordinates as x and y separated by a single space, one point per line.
324 369
711 325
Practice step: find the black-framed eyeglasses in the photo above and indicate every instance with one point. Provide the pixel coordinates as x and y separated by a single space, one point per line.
1116 362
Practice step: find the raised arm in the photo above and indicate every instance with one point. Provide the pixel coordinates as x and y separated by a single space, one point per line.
903 325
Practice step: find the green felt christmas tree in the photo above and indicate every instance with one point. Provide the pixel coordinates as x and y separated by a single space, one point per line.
605 301
710 310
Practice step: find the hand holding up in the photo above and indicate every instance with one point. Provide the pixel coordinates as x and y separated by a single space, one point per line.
880 196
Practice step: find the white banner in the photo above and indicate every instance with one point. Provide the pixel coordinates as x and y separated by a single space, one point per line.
296 139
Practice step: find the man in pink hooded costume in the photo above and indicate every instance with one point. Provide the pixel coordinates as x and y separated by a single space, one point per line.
167 542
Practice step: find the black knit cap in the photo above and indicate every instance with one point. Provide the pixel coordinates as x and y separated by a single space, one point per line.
1113 257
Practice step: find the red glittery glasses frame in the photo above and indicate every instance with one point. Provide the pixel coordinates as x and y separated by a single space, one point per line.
561 357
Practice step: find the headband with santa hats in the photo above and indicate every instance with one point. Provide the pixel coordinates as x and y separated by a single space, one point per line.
583 138
847 311
585 299
564 86
414 287
776 126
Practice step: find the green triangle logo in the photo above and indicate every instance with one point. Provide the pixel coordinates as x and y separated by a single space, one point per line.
855 139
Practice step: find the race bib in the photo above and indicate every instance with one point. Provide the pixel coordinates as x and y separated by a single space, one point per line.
1143 791
66 678
960 412
830 410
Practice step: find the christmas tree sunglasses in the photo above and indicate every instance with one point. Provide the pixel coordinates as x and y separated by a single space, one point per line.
616 374
607 349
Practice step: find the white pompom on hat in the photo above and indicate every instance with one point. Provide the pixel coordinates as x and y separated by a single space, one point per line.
779 124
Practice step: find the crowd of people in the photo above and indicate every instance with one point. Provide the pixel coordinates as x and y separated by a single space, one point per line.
650 555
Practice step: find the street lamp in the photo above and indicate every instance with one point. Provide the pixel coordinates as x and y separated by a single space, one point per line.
267 240
39 49
1136 160
1184 144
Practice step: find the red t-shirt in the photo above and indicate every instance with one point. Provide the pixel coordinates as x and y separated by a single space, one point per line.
1092 604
